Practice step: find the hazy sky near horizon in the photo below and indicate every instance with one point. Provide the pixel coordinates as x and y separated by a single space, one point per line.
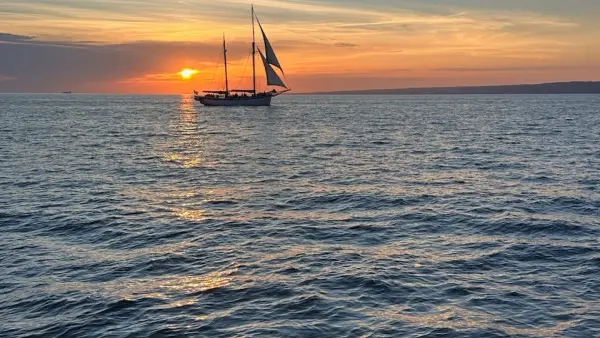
140 45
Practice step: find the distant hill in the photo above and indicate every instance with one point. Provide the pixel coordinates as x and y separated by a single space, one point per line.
543 88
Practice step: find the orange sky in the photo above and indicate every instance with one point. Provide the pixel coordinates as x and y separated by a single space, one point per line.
125 46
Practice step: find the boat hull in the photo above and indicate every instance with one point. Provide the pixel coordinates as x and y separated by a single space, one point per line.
250 101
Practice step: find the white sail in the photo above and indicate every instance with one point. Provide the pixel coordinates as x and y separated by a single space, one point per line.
272 78
270 53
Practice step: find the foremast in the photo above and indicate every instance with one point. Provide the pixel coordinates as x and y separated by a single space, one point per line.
253 55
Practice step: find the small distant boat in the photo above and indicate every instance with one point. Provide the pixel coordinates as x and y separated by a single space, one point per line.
248 97
67 92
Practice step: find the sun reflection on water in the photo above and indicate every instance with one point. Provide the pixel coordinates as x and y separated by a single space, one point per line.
182 160
161 288
187 109
190 215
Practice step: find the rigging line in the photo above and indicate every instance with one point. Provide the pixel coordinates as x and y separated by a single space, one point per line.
244 71
214 78
211 81
286 82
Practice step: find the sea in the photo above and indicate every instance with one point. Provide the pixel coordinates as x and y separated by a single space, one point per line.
320 216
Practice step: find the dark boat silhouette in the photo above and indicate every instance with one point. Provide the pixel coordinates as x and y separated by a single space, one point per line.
248 97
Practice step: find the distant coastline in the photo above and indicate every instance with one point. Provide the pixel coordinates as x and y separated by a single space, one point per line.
578 87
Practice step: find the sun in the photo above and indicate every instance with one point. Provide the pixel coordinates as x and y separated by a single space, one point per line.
187 73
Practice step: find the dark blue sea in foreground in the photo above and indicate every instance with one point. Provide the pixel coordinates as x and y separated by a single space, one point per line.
321 216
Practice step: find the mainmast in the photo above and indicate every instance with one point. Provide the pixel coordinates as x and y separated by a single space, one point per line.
253 55
225 57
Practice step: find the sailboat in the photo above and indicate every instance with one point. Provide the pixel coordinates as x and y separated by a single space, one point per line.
249 97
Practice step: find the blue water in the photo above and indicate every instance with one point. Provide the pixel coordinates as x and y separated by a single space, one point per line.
321 216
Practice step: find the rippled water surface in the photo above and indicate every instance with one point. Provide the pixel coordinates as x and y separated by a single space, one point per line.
380 216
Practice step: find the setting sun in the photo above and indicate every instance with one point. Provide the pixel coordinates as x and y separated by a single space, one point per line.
187 73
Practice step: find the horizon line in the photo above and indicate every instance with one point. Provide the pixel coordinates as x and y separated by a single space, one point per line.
327 92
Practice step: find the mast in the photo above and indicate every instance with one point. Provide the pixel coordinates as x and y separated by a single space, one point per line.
253 55
225 57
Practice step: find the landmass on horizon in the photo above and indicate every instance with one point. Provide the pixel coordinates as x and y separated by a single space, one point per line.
574 87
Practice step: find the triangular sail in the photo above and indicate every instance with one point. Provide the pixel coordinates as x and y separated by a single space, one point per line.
270 53
272 78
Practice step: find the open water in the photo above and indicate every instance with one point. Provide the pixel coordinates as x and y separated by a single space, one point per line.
321 216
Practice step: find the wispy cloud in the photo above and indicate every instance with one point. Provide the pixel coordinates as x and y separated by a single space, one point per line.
508 69
4 78
7 37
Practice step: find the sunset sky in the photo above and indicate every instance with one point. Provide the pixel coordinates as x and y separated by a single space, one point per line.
140 46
